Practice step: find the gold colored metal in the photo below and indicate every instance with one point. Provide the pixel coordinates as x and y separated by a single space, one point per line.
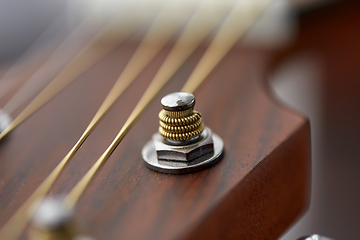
182 136
53 221
180 128
8 81
81 62
16 224
193 34
14 227
182 121
175 58
143 55
242 16
32 84
179 114
67 233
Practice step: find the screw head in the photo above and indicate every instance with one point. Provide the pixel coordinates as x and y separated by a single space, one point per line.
52 213
178 101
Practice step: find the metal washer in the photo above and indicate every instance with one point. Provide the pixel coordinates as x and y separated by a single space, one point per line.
173 167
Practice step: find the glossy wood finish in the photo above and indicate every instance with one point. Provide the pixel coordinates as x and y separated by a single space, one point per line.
255 192
331 34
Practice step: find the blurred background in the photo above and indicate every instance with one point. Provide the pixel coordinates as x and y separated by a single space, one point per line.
317 47
22 22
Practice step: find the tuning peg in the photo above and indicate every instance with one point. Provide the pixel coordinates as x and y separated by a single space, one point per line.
183 143
5 120
314 237
53 220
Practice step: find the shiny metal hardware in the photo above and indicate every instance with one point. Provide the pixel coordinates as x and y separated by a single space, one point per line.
314 237
178 121
5 120
183 144
52 220
179 101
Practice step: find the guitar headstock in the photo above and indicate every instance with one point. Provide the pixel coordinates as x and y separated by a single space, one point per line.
255 192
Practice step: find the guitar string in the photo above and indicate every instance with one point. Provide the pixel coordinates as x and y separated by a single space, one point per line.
157 36
8 81
137 111
8 231
24 94
225 36
225 40
82 61
36 81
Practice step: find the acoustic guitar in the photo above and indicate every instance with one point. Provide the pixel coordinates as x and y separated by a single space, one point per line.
256 191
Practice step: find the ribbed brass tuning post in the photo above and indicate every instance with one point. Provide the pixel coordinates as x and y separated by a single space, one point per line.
178 120
183 143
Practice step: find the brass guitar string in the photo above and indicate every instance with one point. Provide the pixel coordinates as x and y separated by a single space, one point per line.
71 199
36 81
82 61
240 17
69 73
148 48
7 80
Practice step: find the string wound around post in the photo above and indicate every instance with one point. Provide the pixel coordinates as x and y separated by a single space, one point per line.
183 143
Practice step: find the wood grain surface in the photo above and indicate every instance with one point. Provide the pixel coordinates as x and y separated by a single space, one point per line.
255 192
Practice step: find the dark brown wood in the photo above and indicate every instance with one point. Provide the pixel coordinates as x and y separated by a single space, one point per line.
332 35
255 192
337 42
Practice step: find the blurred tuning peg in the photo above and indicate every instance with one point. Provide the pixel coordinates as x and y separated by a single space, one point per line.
53 220
5 120
315 237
